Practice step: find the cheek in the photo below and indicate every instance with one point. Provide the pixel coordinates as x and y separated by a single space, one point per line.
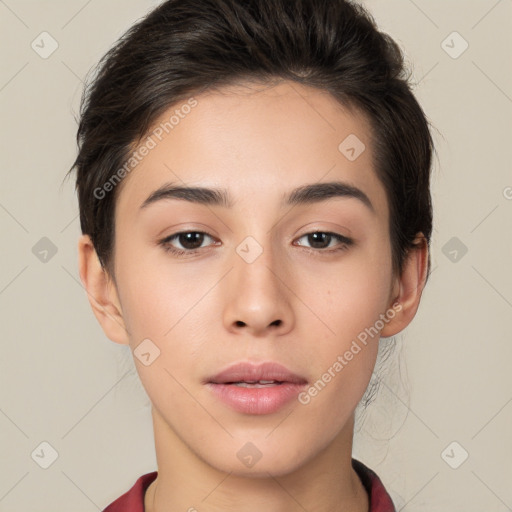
342 361
349 310
156 295
350 295
169 311
347 303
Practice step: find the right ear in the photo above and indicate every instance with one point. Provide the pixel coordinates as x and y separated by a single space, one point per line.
101 292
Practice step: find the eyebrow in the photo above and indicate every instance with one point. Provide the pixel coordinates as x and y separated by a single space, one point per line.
306 194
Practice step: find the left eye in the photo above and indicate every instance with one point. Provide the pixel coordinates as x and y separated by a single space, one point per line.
318 239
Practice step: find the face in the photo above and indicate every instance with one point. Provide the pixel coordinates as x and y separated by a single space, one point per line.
256 278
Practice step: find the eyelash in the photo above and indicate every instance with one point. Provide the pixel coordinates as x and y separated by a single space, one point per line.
344 243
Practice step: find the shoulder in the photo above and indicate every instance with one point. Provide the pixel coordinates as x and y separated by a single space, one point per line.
380 500
133 500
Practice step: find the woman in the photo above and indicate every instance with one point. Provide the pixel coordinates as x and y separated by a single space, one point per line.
253 181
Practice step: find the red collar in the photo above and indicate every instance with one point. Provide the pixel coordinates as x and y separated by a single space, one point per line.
380 501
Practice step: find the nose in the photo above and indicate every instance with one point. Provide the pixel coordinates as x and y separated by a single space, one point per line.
258 295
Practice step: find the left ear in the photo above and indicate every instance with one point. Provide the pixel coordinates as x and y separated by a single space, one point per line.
408 287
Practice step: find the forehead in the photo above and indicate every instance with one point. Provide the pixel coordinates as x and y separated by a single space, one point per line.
256 142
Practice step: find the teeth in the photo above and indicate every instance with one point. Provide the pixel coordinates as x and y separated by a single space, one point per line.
256 384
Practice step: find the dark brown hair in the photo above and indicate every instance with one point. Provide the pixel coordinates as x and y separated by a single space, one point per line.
185 47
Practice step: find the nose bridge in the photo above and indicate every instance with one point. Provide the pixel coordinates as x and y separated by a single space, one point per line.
255 268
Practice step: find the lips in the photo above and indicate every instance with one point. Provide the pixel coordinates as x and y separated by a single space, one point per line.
256 389
263 374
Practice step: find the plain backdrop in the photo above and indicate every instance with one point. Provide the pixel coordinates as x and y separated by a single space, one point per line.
439 432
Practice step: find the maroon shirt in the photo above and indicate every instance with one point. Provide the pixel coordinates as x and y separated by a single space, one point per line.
380 501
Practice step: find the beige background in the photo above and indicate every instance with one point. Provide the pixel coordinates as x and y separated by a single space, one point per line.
63 382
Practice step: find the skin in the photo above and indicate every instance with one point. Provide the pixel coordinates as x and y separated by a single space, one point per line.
211 309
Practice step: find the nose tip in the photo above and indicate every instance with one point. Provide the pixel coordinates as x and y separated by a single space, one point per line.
257 300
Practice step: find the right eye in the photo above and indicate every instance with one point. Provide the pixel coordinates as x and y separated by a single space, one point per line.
191 241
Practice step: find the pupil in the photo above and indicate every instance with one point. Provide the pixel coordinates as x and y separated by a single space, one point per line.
317 239
192 240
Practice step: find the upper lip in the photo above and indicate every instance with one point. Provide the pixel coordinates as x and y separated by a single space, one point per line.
250 372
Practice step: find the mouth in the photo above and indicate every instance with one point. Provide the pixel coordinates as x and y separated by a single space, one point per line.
264 374
256 389
257 384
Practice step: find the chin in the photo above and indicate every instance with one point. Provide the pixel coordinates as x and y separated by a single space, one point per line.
256 459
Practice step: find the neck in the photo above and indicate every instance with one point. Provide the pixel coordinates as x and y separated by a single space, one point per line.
185 481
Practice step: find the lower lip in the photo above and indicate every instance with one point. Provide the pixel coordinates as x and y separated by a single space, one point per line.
264 400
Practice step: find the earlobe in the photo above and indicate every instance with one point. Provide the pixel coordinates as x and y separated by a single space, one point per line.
101 292
410 286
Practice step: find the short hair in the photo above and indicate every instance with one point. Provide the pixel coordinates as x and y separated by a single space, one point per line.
185 47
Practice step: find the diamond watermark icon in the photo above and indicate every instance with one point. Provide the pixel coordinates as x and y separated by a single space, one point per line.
249 249
454 455
44 249
454 45
44 45
454 249
146 352
249 454
44 455
351 147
